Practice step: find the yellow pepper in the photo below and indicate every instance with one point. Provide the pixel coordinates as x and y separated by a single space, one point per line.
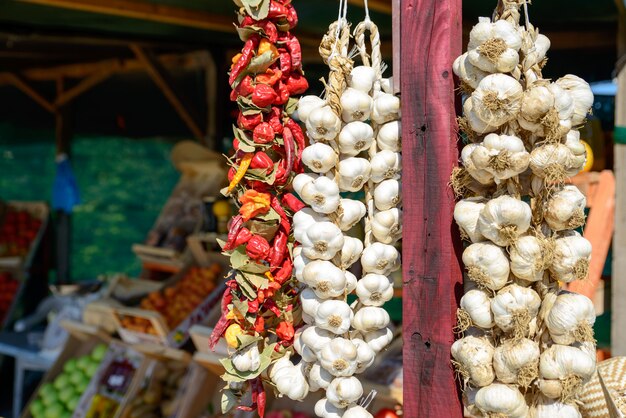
241 171
231 334
265 45
235 59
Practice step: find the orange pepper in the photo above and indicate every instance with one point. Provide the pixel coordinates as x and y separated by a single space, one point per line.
235 59
265 45
254 203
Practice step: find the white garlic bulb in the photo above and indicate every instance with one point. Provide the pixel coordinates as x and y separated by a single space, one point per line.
301 180
498 399
515 310
475 122
563 369
307 104
528 260
476 303
581 93
474 358
497 99
386 107
354 172
503 219
334 316
325 279
322 194
351 282
365 355
351 251
362 78
325 409
387 194
572 254
322 124
388 137
546 111
316 338
322 241
289 381
303 219
468 72
247 359
319 157
493 46
517 362
487 265
386 165
356 105
380 258
466 212
299 263
357 411
344 391
309 301
387 225
339 357
551 408
319 377
565 208
386 84
378 339
374 289
370 318
535 52
355 137
503 156
479 174
301 348
571 318
554 162
577 148
350 213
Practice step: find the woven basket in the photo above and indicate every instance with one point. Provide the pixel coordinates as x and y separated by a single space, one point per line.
613 372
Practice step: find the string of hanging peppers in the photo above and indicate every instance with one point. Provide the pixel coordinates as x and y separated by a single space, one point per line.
259 309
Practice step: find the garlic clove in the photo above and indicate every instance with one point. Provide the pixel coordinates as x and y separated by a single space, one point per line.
350 213
355 137
486 265
387 194
387 226
319 157
365 355
356 105
389 135
351 282
374 289
350 252
370 318
386 165
354 172
362 78
380 258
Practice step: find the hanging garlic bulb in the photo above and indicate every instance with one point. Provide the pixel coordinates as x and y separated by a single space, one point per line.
339 357
319 157
477 307
475 122
551 408
486 265
301 180
370 318
497 99
386 107
303 219
356 105
515 310
386 165
378 339
309 301
571 318
572 254
325 279
387 194
289 380
247 359
387 85
365 355
493 46
307 104
325 409
350 213
354 172
316 338
517 362
305 351
351 251
534 50
474 358
299 263
479 174
362 78
322 241
554 162
580 91
503 156
334 316
467 72
319 377
466 213
565 208
357 411
344 391
546 111
499 400
351 282
388 137
387 226
322 124
355 137
322 194
529 258
563 369
503 219
380 258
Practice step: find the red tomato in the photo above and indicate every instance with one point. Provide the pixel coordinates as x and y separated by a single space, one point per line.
386 413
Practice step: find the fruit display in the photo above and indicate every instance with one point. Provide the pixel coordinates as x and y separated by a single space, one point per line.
8 288
176 302
158 399
59 398
17 232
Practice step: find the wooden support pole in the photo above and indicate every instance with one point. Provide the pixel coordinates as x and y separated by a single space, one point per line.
144 10
84 85
29 90
618 281
63 219
211 81
163 80
432 279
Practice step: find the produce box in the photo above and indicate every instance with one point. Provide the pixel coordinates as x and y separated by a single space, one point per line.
62 387
165 316
22 224
10 289
165 247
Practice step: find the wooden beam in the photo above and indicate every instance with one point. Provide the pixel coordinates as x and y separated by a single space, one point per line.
211 83
431 247
162 79
383 6
160 13
29 90
86 84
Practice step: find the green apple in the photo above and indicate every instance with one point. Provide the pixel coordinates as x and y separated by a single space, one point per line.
73 402
98 353
69 366
50 398
81 386
46 389
54 410
61 381
66 394
67 414
36 408
76 377
92 368
82 362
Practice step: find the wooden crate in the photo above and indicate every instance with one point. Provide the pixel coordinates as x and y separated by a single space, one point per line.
38 210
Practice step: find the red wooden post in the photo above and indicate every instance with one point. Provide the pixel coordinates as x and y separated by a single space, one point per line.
430 41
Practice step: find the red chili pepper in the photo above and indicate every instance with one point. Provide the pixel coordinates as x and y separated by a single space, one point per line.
282 94
293 46
259 324
292 16
257 248
284 221
285 61
231 173
262 160
245 88
277 10
274 120
270 30
260 397
270 305
293 203
236 144
258 185
270 77
278 250
249 122
298 135
246 56
242 237
253 306
235 226
263 133
289 157
285 271
296 84
285 331
263 95
280 176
